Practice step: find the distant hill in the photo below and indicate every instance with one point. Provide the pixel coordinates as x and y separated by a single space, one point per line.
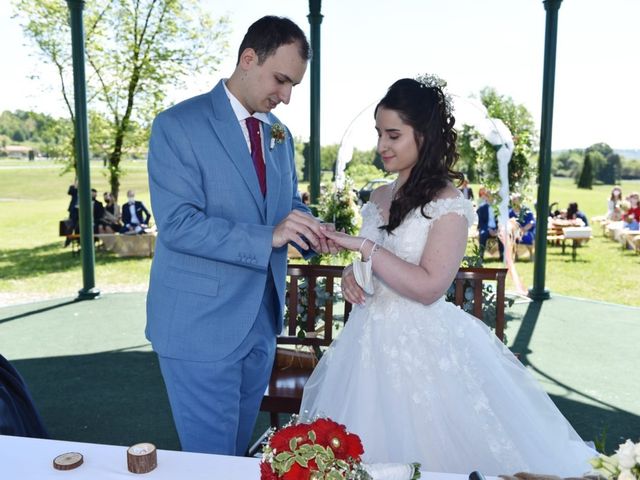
630 154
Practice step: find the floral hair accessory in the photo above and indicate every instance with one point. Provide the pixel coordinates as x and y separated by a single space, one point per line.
428 80
277 134
323 449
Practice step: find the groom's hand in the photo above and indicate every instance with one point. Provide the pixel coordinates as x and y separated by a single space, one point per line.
302 229
329 244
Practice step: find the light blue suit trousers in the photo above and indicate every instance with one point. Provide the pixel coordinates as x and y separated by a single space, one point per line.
215 404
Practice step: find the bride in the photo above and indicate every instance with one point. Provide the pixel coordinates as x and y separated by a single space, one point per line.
416 377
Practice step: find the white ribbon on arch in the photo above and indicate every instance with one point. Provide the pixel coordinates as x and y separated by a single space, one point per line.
470 111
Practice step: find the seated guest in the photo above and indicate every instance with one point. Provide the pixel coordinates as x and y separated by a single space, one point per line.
487 224
98 210
135 215
614 212
111 218
632 214
574 213
525 218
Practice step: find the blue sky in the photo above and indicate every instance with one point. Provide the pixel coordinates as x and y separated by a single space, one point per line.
367 44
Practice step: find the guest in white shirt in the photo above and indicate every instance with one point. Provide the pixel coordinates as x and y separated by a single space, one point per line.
135 215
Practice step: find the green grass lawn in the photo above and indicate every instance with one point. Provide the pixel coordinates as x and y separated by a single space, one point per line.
34 264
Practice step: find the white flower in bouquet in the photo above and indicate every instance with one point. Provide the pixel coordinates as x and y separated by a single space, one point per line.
624 465
636 451
626 455
626 475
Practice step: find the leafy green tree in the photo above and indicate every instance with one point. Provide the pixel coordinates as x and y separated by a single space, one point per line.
630 169
586 175
362 173
567 163
136 50
601 147
306 168
599 162
328 157
612 169
478 157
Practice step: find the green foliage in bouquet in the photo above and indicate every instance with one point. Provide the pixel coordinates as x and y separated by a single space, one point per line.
340 207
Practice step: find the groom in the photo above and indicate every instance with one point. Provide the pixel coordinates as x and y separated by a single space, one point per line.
225 195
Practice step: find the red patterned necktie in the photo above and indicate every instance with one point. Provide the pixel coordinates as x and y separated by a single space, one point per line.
253 125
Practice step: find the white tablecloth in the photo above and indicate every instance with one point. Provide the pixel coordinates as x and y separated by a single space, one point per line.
32 459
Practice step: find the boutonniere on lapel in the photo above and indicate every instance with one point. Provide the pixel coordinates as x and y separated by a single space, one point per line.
277 135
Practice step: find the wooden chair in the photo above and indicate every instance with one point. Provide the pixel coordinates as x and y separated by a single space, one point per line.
474 278
284 392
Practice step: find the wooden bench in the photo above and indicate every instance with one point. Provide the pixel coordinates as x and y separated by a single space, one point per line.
286 385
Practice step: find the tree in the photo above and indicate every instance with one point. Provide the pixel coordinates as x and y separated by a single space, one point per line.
567 163
586 175
136 50
599 162
612 171
478 157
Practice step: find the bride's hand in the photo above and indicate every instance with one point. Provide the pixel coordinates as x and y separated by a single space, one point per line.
351 291
344 240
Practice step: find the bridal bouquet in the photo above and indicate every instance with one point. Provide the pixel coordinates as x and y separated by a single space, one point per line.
623 465
323 450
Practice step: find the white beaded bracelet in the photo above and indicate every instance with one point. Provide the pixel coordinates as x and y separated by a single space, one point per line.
374 249
362 245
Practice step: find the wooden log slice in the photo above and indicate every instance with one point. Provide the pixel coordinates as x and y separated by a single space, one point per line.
68 461
142 458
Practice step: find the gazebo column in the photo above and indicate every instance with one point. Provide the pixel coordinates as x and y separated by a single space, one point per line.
315 19
538 292
88 290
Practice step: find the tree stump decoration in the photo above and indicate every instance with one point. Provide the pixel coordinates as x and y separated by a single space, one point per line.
142 458
68 461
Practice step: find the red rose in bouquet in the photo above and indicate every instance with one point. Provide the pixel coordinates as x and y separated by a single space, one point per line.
345 445
321 449
281 439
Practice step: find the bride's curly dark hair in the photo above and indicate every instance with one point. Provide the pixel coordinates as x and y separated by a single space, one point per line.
425 109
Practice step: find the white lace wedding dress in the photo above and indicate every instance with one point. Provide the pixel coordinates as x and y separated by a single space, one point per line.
432 384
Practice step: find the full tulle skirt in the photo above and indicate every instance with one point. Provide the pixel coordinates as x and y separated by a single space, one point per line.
433 384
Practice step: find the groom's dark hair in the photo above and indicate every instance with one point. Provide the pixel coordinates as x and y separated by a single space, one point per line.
269 33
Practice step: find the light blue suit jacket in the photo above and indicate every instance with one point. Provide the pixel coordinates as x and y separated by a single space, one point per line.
213 252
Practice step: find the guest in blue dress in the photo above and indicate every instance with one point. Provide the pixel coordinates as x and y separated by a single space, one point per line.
525 218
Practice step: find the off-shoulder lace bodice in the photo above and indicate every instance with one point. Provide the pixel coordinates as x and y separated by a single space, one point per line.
409 239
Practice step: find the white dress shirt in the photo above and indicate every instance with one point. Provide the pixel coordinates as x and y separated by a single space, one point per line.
242 114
